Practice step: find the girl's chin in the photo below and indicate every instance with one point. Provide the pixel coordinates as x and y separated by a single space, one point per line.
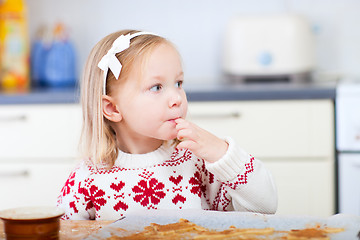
170 137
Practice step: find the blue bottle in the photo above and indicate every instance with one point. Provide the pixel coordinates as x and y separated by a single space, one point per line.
60 61
37 60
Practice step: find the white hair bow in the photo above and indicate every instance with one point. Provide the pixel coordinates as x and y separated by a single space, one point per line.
110 61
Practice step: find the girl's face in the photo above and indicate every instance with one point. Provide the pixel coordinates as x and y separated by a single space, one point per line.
150 106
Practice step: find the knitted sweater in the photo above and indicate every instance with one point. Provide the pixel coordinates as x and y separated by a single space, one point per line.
168 179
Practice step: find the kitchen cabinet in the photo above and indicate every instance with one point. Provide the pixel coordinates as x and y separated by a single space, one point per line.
38 150
294 139
39 131
32 183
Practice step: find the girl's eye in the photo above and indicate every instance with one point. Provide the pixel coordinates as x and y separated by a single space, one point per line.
179 84
156 88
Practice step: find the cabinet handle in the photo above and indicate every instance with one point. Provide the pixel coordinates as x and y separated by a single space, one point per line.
15 174
15 118
215 115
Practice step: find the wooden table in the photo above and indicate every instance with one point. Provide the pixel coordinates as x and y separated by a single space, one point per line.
72 229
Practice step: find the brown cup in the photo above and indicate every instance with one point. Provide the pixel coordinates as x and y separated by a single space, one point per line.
32 223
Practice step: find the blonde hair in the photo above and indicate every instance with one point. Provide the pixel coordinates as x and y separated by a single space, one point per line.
98 140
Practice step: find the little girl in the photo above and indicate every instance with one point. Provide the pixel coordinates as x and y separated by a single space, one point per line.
139 150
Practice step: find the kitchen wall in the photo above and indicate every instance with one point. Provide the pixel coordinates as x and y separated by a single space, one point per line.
197 27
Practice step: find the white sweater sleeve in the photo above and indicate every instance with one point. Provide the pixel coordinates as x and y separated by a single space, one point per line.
248 183
73 195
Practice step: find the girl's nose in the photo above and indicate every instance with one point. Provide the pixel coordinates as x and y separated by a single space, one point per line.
175 100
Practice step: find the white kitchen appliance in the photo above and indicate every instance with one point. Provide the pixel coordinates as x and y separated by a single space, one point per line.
348 147
268 47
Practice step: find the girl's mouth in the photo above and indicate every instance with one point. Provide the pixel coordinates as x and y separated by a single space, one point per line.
173 120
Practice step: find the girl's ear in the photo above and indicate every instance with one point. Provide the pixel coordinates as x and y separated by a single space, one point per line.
110 109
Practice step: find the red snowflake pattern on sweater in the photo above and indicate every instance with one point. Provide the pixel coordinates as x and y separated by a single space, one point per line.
94 197
177 181
73 206
87 198
149 191
68 184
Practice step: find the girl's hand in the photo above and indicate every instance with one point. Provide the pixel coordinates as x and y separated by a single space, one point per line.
201 142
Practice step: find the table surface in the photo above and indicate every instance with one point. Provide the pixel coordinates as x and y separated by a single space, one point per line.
72 229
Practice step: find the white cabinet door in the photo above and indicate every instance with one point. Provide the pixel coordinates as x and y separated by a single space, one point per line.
32 184
295 139
39 131
271 128
305 186
349 179
38 148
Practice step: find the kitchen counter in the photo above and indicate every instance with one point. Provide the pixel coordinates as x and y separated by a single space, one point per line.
261 91
41 96
72 229
199 92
